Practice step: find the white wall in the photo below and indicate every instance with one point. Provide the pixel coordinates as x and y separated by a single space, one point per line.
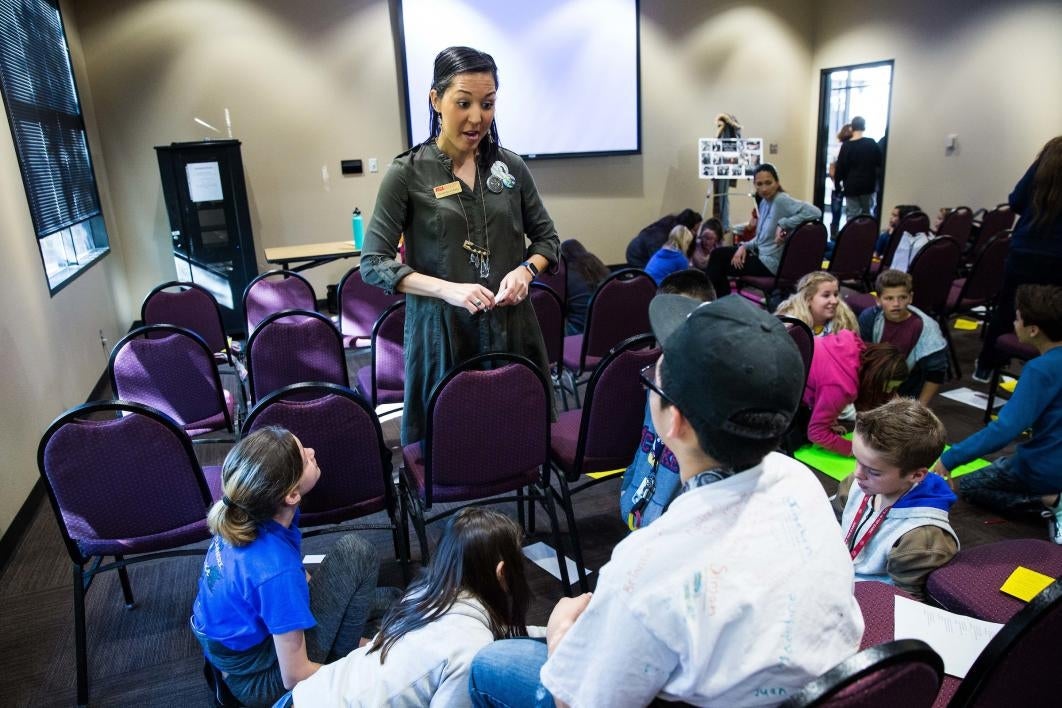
987 70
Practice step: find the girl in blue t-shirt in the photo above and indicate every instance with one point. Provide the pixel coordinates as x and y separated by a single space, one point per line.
258 616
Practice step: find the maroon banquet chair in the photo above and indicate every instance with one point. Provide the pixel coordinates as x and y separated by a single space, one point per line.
1019 667
486 440
854 250
1008 346
345 435
978 289
618 309
801 254
122 480
383 380
173 370
914 223
360 306
294 346
549 310
992 223
906 672
933 270
970 583
958 224
190 306
604 434
556 280
877 601
275 291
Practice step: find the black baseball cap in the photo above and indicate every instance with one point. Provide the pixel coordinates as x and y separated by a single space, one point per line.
727 357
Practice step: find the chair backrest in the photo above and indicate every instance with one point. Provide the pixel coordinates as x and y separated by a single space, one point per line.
906 672
487 427
190 306
986 276
125 483
802 253
360 305
345 435
557 281
957 223
618 309
992 223
1020 665
854 249
274 291
549 309
294 346
614 407
173 370
388 350
932 272
804 339
914 223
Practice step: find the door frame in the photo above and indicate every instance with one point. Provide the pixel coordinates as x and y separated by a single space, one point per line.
824 134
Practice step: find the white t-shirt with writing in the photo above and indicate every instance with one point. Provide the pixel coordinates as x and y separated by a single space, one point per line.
738 595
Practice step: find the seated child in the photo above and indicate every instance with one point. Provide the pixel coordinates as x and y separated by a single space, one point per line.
257 617
673 256
895 520
898 212
817 303
1031 478
917 335
845 371
651 481
473 592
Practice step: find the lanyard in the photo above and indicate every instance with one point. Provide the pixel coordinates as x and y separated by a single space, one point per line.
870 532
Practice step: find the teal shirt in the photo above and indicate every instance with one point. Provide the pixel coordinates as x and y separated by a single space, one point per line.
513 225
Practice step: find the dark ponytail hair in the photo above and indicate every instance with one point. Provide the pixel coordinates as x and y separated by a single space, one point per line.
878 365
769 169
476 539
463 60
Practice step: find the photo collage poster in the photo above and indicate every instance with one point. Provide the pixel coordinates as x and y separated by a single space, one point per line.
729 158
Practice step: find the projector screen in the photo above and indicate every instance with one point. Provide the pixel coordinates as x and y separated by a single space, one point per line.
567 70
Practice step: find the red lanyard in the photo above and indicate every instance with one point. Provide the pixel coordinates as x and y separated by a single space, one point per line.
870 532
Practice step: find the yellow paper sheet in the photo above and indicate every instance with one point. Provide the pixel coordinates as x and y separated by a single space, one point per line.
1008 384
603 475
964 324
1026 584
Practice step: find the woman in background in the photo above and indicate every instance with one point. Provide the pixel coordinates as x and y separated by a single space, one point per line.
585 272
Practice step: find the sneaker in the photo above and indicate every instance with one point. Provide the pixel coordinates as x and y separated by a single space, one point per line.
981 374
1053 514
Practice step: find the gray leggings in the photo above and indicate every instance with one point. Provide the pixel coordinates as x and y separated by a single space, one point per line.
342 595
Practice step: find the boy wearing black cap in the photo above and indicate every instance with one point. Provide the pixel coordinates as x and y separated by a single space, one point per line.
741 592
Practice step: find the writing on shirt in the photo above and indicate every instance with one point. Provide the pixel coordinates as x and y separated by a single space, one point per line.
667 458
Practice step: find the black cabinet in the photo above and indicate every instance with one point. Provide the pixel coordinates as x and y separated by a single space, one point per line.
210 224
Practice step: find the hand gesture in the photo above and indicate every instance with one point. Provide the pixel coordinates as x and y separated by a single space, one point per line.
779 236
738 261
514 286
471 296
564 614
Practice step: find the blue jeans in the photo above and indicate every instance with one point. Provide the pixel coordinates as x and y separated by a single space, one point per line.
999 488
505 674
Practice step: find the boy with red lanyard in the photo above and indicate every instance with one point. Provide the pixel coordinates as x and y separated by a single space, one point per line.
895 520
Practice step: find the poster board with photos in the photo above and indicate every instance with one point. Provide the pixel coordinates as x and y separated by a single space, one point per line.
728 158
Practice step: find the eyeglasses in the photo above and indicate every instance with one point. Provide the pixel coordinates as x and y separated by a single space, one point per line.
649 385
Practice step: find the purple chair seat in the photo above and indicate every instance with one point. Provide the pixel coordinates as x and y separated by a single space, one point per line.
858 301
214 422
573 347
413 457
564 441
1009 345
877 603
970 583
363 381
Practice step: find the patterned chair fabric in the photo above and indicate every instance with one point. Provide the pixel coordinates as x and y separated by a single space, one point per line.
360 305
383 380
273 292
294 346
854 249
190 306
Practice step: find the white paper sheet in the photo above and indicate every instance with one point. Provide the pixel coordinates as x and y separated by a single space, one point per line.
543 555
972 398
313 558
957 638
204 181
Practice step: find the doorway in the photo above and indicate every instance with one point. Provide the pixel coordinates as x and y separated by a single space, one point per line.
847 91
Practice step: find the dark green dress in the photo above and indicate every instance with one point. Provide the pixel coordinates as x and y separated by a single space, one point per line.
439 335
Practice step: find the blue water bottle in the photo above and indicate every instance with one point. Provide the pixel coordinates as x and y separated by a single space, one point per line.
359 228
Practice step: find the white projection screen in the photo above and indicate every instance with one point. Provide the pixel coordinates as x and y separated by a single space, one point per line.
567 70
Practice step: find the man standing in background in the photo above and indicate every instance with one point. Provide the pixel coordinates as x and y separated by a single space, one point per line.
857 170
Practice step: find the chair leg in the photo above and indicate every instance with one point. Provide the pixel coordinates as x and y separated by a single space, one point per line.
520 509
400 537
417 516
993 385
953 357
554 524
127 588
573 531
80 640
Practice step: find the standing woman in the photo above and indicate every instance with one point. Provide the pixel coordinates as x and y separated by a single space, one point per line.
464 205
777 214
1035 246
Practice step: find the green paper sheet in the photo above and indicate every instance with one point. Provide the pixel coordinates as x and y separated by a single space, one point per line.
840 466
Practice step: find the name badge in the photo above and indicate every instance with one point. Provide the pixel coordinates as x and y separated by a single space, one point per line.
445 190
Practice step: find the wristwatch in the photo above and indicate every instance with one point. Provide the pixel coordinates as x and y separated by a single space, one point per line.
531 268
